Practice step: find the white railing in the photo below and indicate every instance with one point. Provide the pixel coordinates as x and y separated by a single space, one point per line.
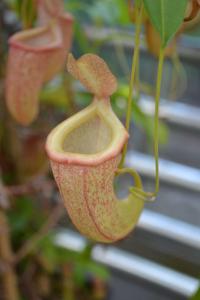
170 172
132 264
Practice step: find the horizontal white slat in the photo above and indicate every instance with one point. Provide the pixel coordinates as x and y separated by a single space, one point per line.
132 264
147 270
176 112
171 228
123 37
170 172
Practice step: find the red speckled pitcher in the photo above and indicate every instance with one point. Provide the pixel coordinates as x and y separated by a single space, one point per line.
85 151
36 56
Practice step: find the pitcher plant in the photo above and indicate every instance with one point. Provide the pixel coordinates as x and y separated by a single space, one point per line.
88 150
85 151
36 55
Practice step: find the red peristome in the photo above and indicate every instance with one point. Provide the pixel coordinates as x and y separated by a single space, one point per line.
78 161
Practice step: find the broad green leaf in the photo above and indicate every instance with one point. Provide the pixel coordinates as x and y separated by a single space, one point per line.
166 16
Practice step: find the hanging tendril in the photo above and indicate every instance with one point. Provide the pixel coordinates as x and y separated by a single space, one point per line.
147 196
133 75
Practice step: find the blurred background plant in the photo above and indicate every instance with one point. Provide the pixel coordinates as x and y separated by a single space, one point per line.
28 195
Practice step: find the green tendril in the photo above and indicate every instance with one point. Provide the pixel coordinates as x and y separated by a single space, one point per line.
156 118
24 14
133 75
28 10
147 196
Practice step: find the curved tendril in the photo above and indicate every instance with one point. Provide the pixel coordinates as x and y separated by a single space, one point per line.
146 196
133 173
137 190
151 196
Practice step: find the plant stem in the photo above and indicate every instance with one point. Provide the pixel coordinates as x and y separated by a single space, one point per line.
132 80
156 117
27 13
68 282
24 14
70 99
8 275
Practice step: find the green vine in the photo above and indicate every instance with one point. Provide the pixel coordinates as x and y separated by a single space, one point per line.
156 120
27 12
148 196
133 75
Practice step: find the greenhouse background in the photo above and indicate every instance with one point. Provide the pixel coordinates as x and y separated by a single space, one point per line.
42 255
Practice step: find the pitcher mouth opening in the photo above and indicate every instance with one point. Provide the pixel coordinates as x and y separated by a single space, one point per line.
45 38
89 138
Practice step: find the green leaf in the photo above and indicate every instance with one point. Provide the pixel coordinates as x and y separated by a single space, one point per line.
166 16
97 270
83 268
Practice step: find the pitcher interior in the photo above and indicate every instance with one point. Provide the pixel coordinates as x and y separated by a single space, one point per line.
38 39
91 137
